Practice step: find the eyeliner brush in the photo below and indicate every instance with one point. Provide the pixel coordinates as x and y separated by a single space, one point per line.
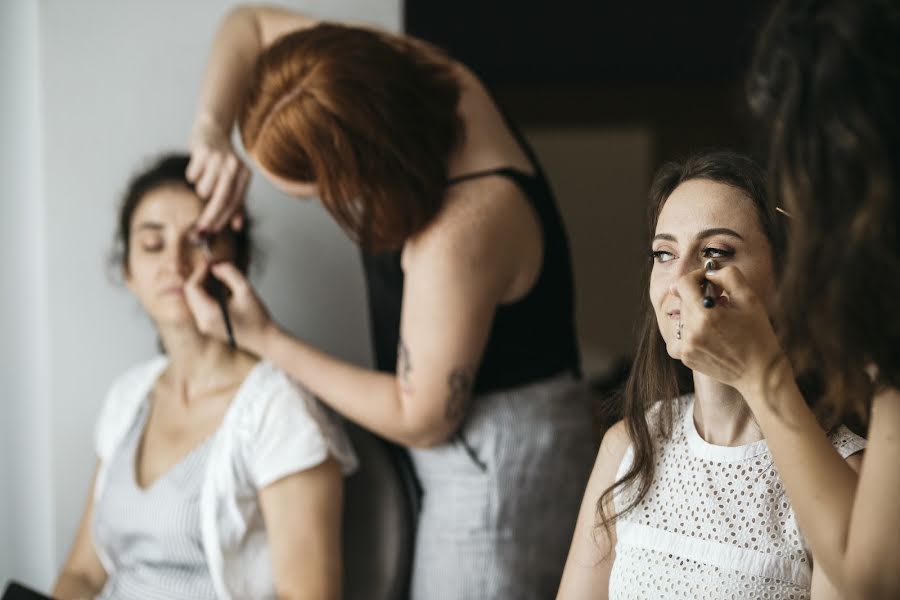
709 299
218 292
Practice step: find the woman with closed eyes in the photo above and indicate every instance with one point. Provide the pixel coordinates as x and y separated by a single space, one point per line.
217 476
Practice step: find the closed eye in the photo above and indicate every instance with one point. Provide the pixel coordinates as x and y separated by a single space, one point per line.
152 244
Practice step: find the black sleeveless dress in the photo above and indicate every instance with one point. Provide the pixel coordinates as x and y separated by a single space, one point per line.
531 339
500 500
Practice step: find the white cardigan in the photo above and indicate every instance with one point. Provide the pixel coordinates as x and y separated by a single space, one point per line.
272 428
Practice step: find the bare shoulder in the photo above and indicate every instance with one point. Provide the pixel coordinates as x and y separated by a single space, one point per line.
612 450
884 422
886 404
486 221
483 202
615 442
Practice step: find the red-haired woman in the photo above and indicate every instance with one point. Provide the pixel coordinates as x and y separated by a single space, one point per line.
468 274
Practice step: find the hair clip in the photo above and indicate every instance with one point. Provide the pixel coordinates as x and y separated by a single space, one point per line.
784 212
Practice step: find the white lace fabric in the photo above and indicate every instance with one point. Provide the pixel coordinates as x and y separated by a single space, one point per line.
715 523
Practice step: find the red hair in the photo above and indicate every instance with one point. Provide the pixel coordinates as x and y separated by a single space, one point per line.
370 118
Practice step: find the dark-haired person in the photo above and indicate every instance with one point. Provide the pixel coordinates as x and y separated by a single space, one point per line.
217 476
468 273
684 501
826 85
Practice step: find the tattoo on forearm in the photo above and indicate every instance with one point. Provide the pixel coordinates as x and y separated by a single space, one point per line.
459 383
404 366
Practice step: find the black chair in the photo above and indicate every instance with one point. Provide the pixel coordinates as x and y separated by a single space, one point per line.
380 507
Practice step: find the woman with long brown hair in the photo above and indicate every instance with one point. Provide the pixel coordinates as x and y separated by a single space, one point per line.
468 274
684 500
826 85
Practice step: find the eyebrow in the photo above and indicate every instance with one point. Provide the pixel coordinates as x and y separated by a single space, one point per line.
149 225
702 235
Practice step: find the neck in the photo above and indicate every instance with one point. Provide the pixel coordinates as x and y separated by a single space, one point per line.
197 362
721 415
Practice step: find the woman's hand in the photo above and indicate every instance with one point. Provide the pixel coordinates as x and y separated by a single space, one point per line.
734 341
250 320
219 174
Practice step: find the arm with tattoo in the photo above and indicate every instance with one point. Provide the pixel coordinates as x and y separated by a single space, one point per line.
459 384
404 367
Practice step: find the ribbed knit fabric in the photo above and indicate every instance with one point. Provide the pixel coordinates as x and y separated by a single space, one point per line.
153 535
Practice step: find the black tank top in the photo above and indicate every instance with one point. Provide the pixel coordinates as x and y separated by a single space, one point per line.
530 339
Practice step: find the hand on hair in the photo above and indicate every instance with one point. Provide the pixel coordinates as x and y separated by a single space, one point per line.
734 342
250 320
219 175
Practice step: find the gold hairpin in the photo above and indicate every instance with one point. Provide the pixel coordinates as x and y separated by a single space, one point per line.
784 212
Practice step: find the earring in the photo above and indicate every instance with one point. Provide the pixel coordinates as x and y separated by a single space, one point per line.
678 329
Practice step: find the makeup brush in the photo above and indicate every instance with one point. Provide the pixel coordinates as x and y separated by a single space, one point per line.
217 289
709 299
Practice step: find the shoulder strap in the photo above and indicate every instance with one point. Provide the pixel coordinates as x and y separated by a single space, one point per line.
511 172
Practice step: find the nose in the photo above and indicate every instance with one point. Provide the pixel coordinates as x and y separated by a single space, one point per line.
180 258
684 266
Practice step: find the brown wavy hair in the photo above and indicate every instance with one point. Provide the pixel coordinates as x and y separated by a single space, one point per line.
656 379
369 117
826 87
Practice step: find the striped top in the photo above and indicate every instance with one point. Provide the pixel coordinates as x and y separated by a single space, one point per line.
272 428
154 534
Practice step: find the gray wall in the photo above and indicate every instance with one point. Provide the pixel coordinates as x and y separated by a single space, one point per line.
26 483
105 85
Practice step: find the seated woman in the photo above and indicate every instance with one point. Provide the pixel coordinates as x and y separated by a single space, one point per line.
684 500
217 476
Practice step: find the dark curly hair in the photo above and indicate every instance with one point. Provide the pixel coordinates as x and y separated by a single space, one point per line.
826 86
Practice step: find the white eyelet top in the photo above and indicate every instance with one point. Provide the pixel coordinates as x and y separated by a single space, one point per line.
716 522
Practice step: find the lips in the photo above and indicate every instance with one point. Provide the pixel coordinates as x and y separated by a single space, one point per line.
177 290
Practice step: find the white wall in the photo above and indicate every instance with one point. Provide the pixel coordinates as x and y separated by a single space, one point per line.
106 85
25 482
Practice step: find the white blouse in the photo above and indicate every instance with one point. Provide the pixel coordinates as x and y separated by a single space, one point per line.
716 522
272 428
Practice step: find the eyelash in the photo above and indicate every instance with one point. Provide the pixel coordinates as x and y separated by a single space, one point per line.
718 251
157 247
708 252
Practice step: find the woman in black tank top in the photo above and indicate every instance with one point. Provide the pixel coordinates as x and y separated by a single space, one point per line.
468 274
